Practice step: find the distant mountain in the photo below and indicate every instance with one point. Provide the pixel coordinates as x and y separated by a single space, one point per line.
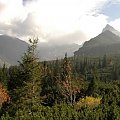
52 52
106 42
11 49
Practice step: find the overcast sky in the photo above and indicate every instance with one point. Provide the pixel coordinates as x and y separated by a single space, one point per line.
58 21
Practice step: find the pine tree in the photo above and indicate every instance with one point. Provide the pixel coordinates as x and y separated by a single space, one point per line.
49 87
30 71
104 62
56 70
14 78
115 72
68 87
92 88
4 76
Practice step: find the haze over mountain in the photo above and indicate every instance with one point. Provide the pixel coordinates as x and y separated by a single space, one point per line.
106 42
12 49
53 52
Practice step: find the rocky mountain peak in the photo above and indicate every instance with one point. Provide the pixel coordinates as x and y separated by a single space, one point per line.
111 29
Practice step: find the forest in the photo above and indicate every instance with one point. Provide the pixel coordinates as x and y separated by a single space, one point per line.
75 88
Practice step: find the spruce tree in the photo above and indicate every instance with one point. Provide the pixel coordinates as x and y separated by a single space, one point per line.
4 76
49 87
93 85
104 61
30 70
68 86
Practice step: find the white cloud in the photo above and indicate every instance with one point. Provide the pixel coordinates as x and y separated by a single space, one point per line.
92 25
116 24
53 18
62 15
12 10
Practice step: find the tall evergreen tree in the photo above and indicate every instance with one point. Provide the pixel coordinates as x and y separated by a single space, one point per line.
115 72
92 88
49 87
30 72
104 62
4 76
14 78
30 67
69 89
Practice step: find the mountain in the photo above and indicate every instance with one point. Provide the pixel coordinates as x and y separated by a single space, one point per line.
52 52
106 42
11 49
111 29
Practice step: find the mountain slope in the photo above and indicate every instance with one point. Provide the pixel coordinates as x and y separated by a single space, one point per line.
106 42
11 49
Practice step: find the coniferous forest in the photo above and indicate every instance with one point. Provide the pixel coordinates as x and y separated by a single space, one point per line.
75 88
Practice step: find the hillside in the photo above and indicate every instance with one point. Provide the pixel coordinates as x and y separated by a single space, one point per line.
11 49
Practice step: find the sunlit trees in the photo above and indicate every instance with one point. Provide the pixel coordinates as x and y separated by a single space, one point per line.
67 86
88 102
4 97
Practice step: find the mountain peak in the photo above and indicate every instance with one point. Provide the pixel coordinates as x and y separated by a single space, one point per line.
111 29
106 42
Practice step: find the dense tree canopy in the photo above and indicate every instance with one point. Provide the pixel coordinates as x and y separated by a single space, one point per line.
76 88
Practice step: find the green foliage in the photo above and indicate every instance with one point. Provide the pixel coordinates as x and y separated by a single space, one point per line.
26 82
49 87
48 92
4 75
92 88
15 78
30 68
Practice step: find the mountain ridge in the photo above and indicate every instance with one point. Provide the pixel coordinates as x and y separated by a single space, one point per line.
105 42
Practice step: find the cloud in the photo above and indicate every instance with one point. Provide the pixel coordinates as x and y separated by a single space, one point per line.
28 1
26 27
114 1
55 21
22 29
92 25
2 7
116 24
12 10
74 37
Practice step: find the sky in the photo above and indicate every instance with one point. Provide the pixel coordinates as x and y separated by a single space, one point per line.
58 21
